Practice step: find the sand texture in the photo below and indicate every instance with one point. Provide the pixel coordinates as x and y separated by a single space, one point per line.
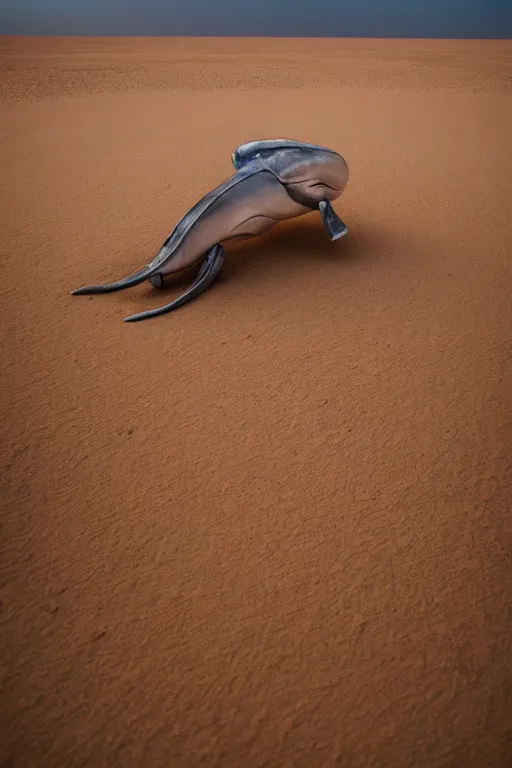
273 528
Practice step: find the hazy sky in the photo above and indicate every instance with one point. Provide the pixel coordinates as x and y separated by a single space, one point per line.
322 18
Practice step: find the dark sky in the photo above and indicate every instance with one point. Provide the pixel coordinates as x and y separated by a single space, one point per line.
280 18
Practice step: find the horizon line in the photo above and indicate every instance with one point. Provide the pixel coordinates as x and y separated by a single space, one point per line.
253 37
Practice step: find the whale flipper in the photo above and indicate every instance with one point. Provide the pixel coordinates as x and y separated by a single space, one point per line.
208 273
332 222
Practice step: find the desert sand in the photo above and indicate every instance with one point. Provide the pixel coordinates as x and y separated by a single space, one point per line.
272 528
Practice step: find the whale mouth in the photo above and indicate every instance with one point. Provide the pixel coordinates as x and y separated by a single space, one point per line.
323 185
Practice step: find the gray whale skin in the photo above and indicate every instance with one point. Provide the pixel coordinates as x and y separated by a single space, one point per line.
274 180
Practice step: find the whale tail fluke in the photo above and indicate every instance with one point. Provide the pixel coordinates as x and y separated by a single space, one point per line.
119 285
208 273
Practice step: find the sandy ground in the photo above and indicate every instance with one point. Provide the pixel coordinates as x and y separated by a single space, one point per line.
271 529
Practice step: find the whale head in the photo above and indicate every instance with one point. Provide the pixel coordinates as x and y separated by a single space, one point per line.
309 172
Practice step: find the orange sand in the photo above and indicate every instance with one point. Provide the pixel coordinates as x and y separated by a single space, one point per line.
274 527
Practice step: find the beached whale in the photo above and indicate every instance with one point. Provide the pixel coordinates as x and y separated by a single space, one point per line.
274 180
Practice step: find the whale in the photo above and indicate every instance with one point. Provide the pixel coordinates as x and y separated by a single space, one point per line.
273 180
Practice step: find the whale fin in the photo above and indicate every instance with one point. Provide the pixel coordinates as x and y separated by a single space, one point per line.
208 273
332 222
119 285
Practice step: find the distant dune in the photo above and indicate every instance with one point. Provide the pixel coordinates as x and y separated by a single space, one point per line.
272 528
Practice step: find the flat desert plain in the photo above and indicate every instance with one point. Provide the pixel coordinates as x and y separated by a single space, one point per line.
272 528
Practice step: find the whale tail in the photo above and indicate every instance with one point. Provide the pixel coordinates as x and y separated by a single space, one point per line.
118 285
209 271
